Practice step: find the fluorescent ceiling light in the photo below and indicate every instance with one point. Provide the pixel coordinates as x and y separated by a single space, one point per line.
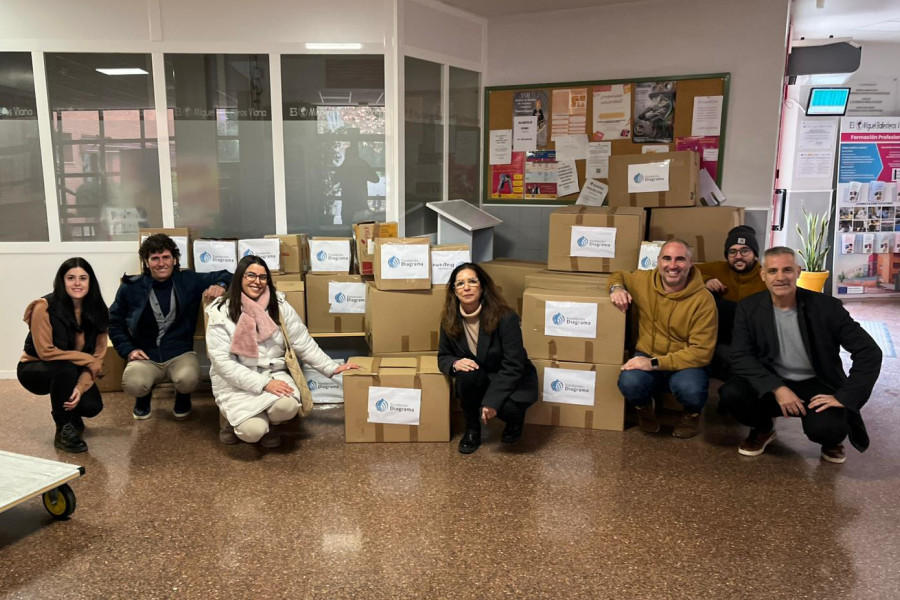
332 46
123 71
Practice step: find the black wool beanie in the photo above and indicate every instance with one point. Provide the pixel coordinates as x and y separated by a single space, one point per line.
742 234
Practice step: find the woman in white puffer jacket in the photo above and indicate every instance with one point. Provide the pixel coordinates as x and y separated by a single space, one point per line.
250 380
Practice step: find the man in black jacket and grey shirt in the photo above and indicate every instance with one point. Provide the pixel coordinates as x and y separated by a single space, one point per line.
785 352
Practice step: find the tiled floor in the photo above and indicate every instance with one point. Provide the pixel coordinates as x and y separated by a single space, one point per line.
164 511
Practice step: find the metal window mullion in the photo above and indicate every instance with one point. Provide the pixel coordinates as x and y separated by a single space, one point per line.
445 115
163 141
45 135
278 160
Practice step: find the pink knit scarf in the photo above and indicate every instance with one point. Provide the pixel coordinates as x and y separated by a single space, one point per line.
254 326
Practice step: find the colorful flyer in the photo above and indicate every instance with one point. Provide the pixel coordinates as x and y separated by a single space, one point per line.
654 112
708 149
612 112
569 112
541 171
870 149
506 180
534 104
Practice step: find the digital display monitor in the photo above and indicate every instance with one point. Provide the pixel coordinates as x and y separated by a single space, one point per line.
828 102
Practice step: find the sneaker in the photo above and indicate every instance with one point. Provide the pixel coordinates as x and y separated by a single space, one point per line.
227 435
834 454
688 426
647 420
183 407
470 441
756 442
141 408
272 439
68 439
78 423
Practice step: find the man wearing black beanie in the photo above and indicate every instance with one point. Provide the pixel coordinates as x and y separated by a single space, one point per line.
730 281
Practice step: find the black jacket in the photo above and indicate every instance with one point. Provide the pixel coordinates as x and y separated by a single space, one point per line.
825 326
502 356
132 299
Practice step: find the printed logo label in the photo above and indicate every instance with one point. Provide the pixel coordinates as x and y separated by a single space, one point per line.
567 386
323 389
398 406
330 255
205 257
347 297
639 178
268 249
212 255
247 252
593 242
570 319
405 261
444 261
648 177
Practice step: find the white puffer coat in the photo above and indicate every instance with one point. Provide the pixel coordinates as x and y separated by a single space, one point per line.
238 381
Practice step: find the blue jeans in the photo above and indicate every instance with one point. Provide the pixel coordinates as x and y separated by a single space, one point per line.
690 386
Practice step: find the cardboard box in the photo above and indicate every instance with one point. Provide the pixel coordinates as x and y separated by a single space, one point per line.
111 373
573 326
294 251
214 255
327 296
278 278
403 321
705 228
445 258
329 255
563 401
509 276
180 235
595 239
416 373
364 236
402 264
294 290
556 280
626 174
403 354
267 249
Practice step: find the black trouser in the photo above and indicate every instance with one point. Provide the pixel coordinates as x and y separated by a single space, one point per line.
828 427
470 389
721 362
58 378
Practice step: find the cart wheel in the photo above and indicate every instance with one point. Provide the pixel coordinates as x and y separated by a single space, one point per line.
60 502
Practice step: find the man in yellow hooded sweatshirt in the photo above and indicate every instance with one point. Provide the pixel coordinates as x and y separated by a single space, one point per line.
677 325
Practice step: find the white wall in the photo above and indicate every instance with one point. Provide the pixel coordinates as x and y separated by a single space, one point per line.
659 38
879 63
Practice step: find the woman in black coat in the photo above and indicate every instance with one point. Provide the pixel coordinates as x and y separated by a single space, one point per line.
481 346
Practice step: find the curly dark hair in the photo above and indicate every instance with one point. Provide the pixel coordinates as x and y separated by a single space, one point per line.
156 243
493 306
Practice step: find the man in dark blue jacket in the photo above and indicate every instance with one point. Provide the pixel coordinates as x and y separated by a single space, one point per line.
785 351
152 323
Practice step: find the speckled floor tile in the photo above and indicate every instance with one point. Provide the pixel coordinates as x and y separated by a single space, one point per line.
165 511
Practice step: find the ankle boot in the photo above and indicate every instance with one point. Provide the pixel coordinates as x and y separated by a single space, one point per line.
142 407
182 408
68 439
470 441
512 432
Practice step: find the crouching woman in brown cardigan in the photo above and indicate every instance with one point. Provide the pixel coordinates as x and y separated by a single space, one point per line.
64 350
481 346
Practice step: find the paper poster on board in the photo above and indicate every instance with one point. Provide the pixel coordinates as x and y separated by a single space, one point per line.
654 112
569 112
541 173
507 180
708 149
612 112
534 104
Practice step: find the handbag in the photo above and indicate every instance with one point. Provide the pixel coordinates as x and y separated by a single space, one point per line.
293 366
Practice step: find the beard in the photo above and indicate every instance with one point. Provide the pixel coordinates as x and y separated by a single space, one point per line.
748 266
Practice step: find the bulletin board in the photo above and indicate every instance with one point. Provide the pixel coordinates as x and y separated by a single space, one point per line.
670 123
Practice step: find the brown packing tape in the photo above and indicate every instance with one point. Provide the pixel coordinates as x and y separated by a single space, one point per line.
413 433
579 218
589 419
701 248
573 260
404 343
337 325
589 352
436 336
604 264
519 304
379 432
551 350
632 199
554 416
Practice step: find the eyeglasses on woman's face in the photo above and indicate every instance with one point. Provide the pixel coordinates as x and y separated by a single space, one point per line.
461 283
250 276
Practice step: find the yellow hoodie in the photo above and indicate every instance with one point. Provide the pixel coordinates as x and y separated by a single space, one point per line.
739 285
678 328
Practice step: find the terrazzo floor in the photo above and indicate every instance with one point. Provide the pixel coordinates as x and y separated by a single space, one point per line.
165 511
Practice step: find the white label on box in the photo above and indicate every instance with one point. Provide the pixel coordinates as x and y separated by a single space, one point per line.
346 297
329 255
570 319
404 261
323 389
566 386
648 177
214 255
397 406
594 242
444 261
268 249
182 242
649 255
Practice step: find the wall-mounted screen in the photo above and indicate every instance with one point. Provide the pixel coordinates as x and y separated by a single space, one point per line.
827 102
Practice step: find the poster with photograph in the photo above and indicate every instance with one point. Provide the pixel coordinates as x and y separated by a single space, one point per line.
654 112
506 180
534 104
612 112
569 112
541 173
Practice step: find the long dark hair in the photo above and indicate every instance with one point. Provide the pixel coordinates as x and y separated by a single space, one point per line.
94 313
493 306
233 295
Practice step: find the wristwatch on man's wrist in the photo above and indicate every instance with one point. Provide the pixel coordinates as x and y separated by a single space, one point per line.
616 286
654 363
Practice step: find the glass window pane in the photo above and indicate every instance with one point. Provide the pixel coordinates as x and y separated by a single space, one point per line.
222 167
465 133
424 144
23 212
333 141
107 165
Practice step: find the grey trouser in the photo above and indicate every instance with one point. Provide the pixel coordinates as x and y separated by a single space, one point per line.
140 376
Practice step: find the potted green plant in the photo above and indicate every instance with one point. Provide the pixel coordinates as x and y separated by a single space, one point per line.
814 251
